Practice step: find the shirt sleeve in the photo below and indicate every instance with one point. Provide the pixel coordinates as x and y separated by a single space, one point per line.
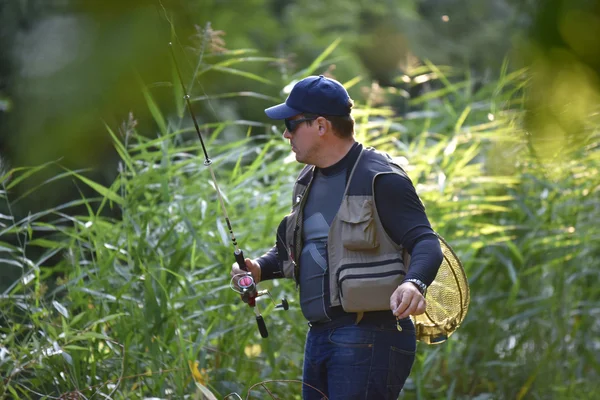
403 217
270 266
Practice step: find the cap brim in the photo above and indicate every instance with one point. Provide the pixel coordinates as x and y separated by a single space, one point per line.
281 111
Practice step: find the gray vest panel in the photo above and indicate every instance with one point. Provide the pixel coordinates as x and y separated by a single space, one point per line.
321 206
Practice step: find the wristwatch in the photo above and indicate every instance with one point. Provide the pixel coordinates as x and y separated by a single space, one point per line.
420 285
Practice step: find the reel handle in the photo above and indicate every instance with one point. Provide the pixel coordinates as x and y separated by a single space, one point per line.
262 327
284 304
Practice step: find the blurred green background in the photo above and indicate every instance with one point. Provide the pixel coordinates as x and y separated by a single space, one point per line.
114 258
66 65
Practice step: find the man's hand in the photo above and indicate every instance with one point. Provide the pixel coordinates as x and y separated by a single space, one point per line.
252 266
407 300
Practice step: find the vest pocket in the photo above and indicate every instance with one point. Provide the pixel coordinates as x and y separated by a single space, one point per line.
357 224
368 286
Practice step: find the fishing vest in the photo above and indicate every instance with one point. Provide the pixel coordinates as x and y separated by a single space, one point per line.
365 265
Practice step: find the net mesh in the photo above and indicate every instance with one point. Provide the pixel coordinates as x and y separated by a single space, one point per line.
448 299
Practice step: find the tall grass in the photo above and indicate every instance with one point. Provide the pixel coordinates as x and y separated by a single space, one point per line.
131 299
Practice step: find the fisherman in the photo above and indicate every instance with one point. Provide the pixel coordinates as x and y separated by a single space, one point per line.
355 219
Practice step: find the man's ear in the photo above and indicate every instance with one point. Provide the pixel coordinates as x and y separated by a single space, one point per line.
323 127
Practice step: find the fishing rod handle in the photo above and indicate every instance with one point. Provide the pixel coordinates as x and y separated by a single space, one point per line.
262 327
239 258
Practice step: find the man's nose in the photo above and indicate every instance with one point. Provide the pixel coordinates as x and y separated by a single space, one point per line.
286 134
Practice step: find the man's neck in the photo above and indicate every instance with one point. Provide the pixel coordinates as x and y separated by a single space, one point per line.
336 151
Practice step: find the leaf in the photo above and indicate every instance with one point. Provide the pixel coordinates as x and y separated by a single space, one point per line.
320 58
237 94
153 107
13 392
238 60
67 357
49 244
95 293
207 393
121 150
438 94
516 252
88 336
28 172
60 308
244 74
222 232
77 318
106 319
107 193
75 347
352 82
461 120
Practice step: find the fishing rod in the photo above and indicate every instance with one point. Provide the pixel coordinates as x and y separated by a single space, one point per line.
246 286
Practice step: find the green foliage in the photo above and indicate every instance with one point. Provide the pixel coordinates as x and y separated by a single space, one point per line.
128 294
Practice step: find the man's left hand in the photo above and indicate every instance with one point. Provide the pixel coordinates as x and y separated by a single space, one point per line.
407 300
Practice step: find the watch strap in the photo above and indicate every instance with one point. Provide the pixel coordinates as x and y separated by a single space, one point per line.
419 284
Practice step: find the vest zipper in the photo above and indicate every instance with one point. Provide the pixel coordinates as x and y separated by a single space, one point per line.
366 276
371 264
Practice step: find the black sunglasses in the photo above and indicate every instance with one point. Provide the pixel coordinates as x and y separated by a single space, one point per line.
292 124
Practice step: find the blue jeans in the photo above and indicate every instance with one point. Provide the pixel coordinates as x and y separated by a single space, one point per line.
365 361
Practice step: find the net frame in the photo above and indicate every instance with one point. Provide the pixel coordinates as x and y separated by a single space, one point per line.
444 312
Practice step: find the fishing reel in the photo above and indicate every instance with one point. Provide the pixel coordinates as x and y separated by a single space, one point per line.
246 287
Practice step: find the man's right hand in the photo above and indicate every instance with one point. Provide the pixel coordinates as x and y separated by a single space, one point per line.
252 266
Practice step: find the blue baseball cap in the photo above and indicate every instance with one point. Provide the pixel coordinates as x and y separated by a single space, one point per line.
313 95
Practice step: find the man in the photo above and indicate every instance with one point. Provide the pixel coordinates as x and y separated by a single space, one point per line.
355 217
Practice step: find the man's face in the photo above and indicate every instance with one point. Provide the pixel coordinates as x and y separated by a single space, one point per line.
304 138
